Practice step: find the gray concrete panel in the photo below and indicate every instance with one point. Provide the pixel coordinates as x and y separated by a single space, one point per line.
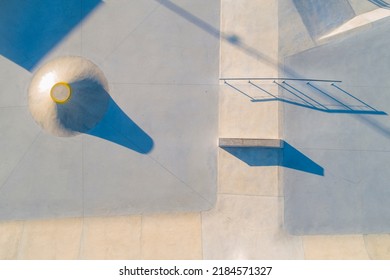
350 139
47 182
162 69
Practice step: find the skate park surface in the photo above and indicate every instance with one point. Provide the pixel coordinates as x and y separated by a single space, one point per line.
97 196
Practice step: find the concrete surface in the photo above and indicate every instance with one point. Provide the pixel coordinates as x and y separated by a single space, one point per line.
344 247
352 145
248 220
142 55
111 238
245 142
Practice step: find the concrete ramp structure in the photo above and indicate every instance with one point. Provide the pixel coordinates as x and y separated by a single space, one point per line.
320 17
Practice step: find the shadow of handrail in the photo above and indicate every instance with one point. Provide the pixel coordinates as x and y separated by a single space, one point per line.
309 102
328 95
380 3
240 91
297 90
354 97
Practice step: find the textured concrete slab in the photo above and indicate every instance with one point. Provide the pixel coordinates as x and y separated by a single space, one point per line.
10 235
111 238
347 247
241 118
378 246
51 239
176 236
246 52
248 227
236 177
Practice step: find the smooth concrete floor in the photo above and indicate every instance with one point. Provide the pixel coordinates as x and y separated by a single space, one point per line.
142 47
247 221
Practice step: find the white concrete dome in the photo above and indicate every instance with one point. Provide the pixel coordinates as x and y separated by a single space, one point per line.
68 96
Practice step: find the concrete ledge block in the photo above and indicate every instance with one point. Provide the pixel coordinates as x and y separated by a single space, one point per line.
250 142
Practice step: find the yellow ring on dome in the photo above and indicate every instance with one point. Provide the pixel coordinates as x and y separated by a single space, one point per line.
68 96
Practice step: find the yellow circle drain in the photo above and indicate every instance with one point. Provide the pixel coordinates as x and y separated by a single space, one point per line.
61 92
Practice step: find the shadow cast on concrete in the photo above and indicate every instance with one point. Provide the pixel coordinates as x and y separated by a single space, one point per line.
380 3
30 29
287 156
320 16
86 107
118 128
91 110
232 39
308 99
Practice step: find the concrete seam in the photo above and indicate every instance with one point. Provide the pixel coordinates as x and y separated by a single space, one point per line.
180 180
251 195
20 243
81 245
16 106
131 32
365 246
303 247
141 237
172 173
201 234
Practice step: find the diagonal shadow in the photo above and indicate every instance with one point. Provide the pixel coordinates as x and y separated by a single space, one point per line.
235 40
380 3
118 128
287 156
305 99
30 29
232 39
323 92
296 95
319 17
92 110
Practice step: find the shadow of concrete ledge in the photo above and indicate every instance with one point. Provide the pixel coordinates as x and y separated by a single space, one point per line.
284 156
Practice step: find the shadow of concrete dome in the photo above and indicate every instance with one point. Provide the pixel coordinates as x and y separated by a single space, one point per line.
85 108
